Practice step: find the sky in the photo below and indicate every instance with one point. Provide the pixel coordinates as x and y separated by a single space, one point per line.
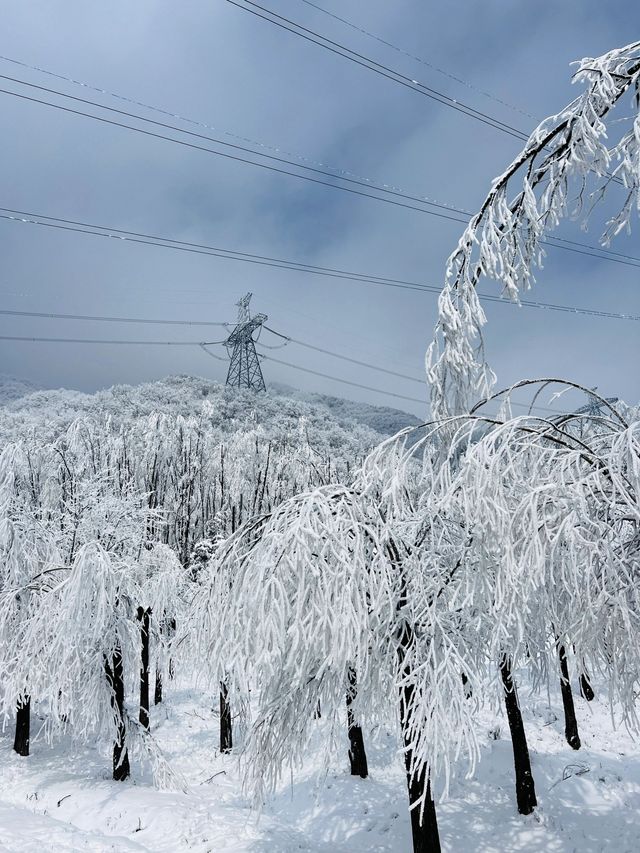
219 65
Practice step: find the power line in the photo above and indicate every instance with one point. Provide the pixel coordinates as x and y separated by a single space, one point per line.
338 379
345 357
42 340
371 64
367 364
196 248
419 59
93 317
226 155
377 390
556 242
362 180
389 73
293 266
203 346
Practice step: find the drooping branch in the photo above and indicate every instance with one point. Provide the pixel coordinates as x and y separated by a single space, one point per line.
503 240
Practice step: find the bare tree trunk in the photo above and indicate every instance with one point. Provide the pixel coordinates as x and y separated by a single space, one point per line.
586 690
468 689
144 617
157 693
172 628
23 727
357 754
226 731
424 821
570 722
424 824
525 786
115 677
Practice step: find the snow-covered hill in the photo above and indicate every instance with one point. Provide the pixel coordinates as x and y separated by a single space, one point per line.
12 388
382 419
229 408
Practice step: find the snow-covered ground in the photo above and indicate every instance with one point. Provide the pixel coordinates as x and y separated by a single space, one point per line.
62 799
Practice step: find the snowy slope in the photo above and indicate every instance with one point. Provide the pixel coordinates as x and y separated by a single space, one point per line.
62 799
185 394
228 410
12 388
382 419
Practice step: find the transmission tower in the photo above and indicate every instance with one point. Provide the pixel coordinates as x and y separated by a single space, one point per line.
594 406
244 369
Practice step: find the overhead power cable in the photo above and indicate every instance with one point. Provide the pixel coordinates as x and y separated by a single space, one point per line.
367 364
390 194
141 320
338 379
325 169
277 263
204 346
37 339
372 65
371 388
344 357
95 318
225 154
416 58
385 71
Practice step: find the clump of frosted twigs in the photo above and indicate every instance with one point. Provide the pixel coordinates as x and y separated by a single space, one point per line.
544 183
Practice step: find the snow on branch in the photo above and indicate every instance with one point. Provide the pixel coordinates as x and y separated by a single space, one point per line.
503 240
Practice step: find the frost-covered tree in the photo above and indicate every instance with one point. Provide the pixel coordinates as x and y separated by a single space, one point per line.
29 566
160 583
90 631
538 519
320 597
503 240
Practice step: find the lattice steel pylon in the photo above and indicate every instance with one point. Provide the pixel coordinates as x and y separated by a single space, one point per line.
244 368
594 406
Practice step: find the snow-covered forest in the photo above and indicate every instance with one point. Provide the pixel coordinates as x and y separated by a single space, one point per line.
243 620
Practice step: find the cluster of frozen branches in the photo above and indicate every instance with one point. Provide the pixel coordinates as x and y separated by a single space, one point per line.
103 531
567 157
414 593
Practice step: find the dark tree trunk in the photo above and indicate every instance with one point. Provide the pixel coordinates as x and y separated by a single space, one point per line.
586 690
468 689
172 629
570 722
357 754
226 731
23 727
157 693
144 617
424 825
424 822
115 677
525 787
425 835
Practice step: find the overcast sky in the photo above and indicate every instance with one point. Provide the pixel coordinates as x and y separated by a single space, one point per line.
215 63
